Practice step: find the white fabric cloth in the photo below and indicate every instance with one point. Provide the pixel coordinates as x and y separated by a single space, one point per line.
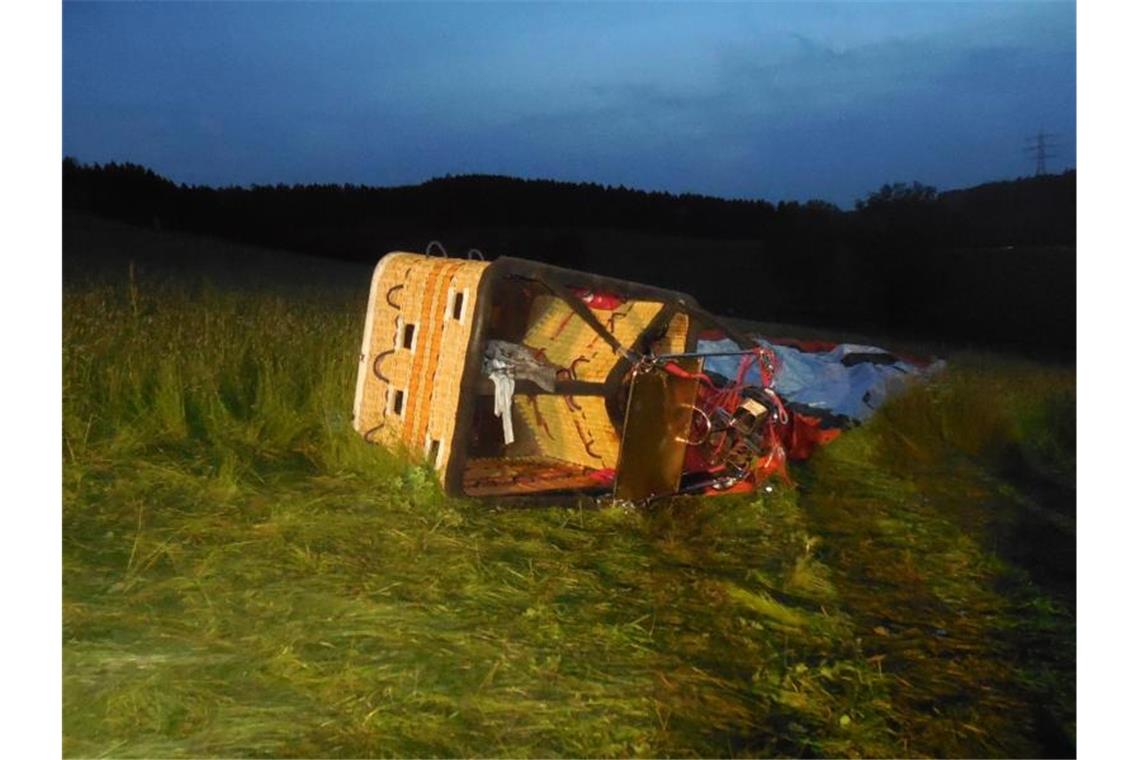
504 392
503 362
520 361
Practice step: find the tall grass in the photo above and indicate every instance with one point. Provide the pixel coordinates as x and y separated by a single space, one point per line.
244 577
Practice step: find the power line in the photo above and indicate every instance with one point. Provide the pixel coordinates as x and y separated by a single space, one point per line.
1042 146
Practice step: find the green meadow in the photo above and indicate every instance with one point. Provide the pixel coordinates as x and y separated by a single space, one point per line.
244 577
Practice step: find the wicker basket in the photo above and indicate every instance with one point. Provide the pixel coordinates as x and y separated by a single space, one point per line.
416 338
420 386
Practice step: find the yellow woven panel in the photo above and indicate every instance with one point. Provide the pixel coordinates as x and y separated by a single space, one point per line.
413 299
673 342
575 429
495 476
567 341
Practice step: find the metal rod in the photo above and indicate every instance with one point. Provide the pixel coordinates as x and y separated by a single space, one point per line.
728 481
699 354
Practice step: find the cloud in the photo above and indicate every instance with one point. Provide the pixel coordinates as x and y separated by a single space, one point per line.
816 119
776 101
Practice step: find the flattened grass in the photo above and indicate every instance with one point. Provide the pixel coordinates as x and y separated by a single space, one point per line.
244 577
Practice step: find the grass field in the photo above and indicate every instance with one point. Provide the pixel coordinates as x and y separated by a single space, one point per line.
244 577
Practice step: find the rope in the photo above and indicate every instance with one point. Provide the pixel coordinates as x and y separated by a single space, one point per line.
728 398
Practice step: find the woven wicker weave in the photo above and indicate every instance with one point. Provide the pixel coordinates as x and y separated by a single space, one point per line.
578 429
575 429
673 342
416 338
566 340
426 315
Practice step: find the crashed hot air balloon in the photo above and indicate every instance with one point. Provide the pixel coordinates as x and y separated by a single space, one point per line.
515 378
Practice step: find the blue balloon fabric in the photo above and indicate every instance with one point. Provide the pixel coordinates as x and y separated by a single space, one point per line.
849 381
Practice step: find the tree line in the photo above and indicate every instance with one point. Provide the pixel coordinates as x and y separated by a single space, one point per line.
989 265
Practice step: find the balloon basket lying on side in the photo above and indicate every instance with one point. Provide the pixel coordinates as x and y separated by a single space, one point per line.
515 378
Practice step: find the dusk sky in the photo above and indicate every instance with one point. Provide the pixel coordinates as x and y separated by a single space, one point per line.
760 100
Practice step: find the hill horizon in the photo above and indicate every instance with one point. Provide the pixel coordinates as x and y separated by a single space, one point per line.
554 181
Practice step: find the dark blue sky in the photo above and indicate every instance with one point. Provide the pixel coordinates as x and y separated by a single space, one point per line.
759 100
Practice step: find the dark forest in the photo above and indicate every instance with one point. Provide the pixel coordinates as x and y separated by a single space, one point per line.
990 266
